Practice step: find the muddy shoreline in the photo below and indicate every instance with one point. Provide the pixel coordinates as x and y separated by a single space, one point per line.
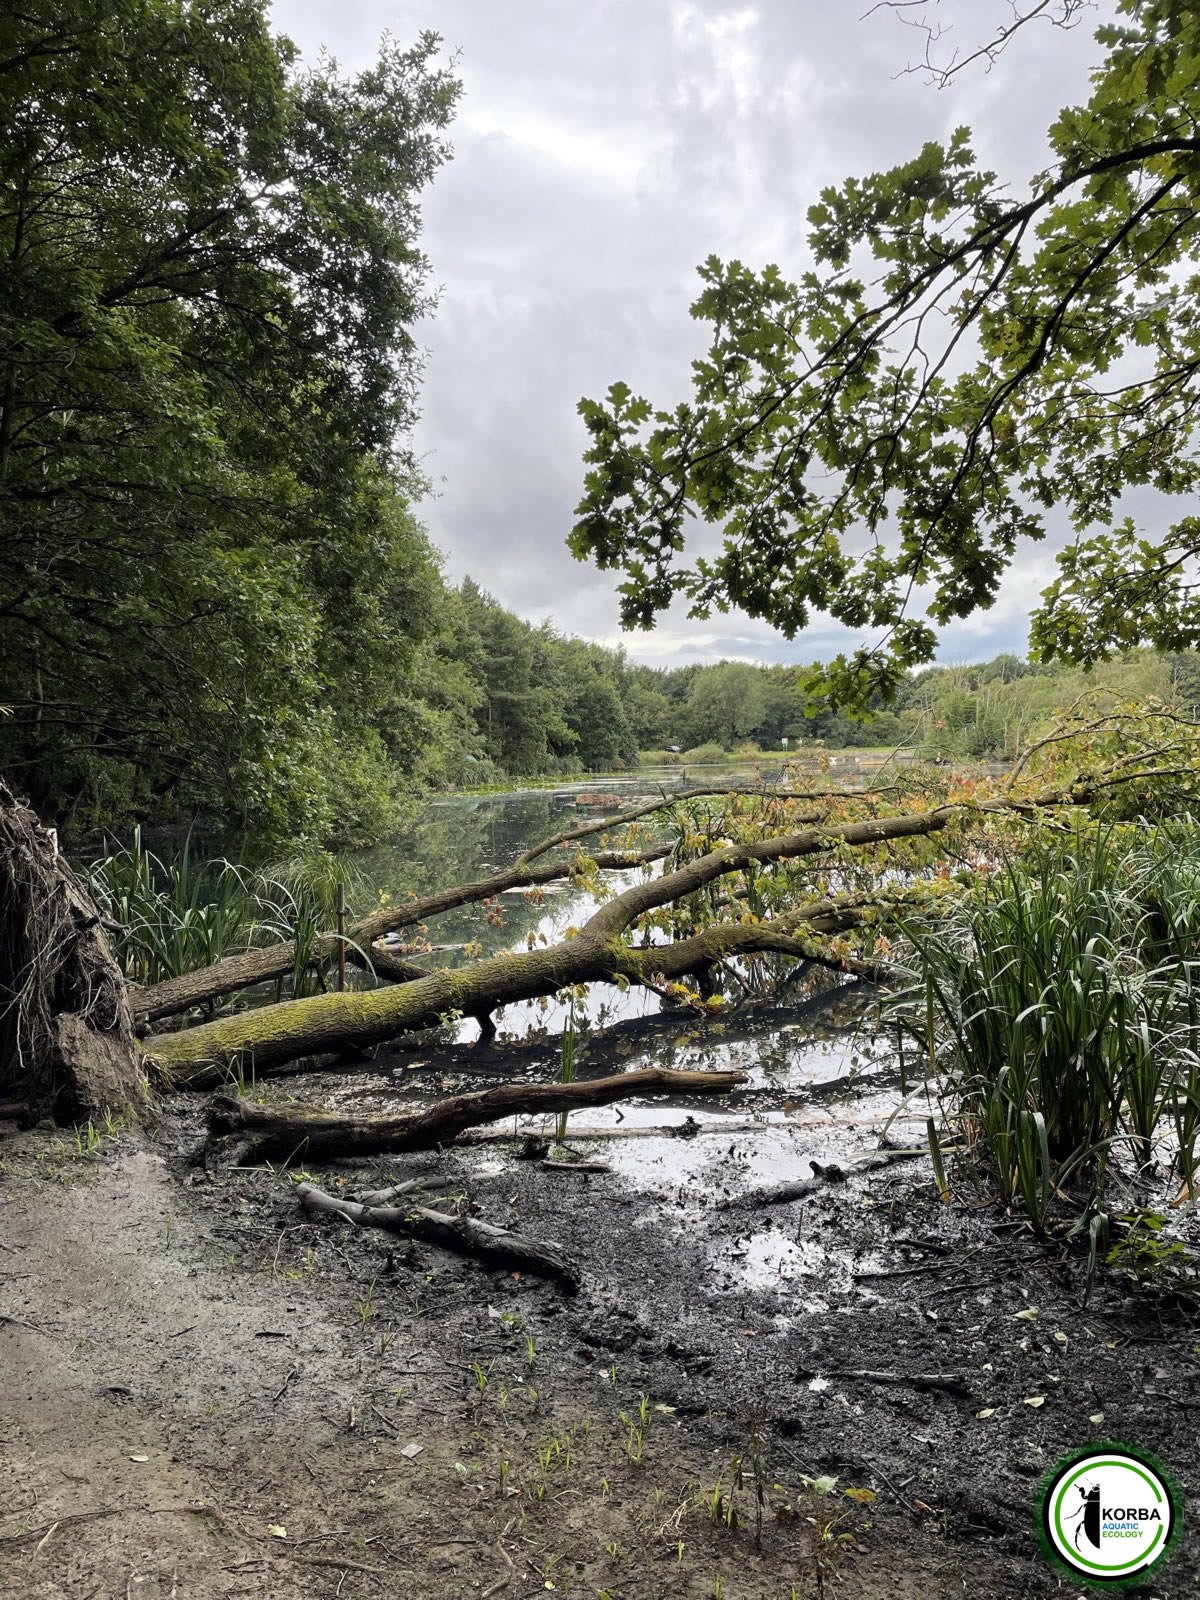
192 1363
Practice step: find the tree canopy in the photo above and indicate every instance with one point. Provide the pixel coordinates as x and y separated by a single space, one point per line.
213 586
957 361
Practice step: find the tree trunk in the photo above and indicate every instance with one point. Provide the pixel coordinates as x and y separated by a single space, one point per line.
273 1036
66 1034
270 1133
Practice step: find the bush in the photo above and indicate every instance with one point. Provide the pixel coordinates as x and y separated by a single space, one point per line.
703 753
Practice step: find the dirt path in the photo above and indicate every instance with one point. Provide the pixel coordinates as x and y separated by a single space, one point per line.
205 1395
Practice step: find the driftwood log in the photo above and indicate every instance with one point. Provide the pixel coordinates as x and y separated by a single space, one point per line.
252 1133
466 1236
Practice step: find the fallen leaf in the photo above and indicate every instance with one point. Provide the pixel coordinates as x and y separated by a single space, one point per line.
988 1411
865 1497
1097 1417
1035 1400
1030 1314
1061 1338
277 1530
139 1458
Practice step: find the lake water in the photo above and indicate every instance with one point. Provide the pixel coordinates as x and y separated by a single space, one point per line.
461 837
823 1077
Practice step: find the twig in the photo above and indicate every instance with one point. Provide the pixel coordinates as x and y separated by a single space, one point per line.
279 1393
953 1381
339 1563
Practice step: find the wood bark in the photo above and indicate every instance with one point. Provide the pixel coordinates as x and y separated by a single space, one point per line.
465 1235
254 1133
66 1033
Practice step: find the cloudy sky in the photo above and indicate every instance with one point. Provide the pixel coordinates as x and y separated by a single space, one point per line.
604 148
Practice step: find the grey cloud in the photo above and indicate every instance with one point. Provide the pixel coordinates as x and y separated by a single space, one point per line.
602 151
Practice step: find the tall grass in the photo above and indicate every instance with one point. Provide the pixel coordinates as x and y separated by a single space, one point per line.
174 916
180 914
1059 1013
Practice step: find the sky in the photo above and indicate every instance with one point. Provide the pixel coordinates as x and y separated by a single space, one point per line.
603 149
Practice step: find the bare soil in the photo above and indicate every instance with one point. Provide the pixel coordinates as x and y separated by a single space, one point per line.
206 1394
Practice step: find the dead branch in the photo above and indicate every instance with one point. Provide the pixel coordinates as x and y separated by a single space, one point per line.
466 1236
1062 14
777 1194
252 1133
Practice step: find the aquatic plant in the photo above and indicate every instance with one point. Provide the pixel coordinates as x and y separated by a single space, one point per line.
1058 1013
172 916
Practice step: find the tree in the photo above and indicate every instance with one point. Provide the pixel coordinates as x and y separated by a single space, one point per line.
593 708
725 704
212 581
852 454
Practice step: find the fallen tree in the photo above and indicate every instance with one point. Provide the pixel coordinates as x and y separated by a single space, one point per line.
245 1132
66 1033
272 1037
260 965
735 893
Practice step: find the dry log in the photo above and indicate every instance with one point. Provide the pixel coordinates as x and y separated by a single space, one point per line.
267 1133
466 1236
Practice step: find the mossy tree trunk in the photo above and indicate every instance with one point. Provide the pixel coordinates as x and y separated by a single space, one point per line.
273 1036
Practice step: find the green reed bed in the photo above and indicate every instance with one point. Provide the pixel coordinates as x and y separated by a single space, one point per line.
1058 1012
172 916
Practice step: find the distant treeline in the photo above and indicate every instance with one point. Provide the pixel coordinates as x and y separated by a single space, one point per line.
544 704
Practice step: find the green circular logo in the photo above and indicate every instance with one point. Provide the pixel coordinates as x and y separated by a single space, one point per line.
1109 1514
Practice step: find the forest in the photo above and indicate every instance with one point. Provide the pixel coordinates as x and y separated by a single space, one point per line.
767 1166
